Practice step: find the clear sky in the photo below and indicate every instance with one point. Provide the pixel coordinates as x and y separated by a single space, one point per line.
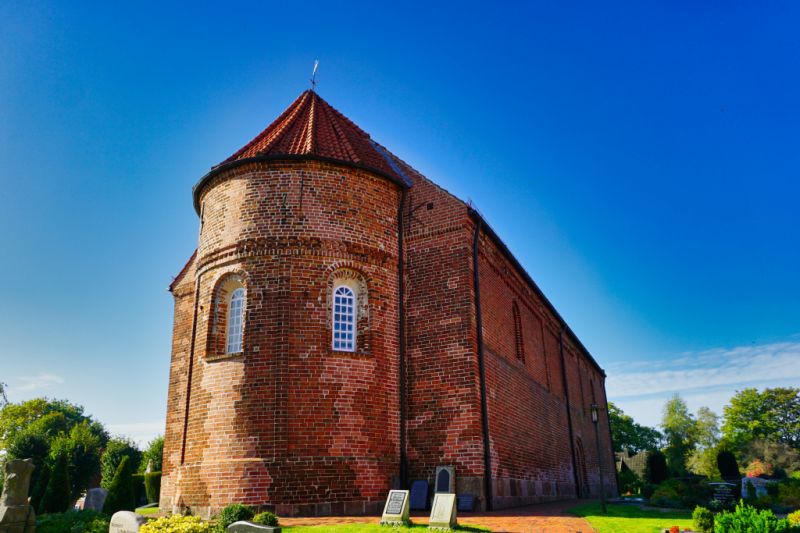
640 158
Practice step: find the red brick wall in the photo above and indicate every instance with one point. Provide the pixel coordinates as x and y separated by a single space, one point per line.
290 424
444 418
530 446
293 426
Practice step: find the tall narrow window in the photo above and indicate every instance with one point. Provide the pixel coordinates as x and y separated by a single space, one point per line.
235 320
519 344
344 319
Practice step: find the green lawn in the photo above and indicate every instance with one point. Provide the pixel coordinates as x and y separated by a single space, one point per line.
147 510
629 518
368 528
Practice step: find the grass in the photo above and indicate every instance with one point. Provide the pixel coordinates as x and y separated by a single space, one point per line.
368 528
628 518
147 510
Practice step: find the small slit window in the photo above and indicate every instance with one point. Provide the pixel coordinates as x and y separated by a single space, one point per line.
344 319
233 342
519 343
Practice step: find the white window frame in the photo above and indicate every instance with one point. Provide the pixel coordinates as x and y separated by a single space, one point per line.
234 322
344 323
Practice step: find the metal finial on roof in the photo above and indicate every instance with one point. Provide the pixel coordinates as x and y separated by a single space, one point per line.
314 75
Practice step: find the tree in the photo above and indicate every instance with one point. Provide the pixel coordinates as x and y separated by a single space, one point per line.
656 469
727 465
120 491
626 434
83 448
117 449
706 428
3 397
153 454
17 417
30 429
57 497
773 414
680 431
783 458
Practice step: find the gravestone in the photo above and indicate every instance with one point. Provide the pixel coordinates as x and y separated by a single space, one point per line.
445 479
95 498
760 485
419 495
16 516
723 492
443 512
125 522
466 503
244 526
395 512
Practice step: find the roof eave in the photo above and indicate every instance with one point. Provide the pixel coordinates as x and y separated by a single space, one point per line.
198 187
477 217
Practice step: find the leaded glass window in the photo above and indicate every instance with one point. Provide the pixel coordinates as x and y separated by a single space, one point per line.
235 321
344 319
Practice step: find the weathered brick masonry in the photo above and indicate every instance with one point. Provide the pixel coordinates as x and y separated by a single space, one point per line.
291 424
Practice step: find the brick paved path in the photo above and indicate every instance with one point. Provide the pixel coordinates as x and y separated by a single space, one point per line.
542 518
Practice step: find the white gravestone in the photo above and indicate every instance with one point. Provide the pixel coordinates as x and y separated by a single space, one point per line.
395 512
125 522
443 512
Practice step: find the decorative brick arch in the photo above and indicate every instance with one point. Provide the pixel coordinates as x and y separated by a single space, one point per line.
225 284
357 281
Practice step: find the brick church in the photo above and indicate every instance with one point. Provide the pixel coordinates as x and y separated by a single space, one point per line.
346 326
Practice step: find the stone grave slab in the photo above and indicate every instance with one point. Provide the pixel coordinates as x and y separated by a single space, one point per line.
443 511
419 495
125 522
16 516
395 511
445 479
244 526
95 498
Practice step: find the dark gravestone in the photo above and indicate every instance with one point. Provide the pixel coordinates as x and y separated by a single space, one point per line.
466 502
419 495
443 481
724 492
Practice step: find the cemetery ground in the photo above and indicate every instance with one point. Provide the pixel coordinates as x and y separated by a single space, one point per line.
628 518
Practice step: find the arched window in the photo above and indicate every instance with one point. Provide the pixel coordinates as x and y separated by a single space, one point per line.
235 321
344 319
228 315
519 343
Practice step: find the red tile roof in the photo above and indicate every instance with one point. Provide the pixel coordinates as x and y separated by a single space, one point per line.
312 127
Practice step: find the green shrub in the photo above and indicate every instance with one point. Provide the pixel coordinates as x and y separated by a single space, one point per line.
794 519
116 449
703 519
40 487
727 465
629 482
747 519
72 522
120 491
266 518
177 524
751 490
56 498
233 513
139 492
152 485
656 469
789 493
680 493
647 490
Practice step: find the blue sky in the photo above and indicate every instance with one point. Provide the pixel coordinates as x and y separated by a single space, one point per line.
641 159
